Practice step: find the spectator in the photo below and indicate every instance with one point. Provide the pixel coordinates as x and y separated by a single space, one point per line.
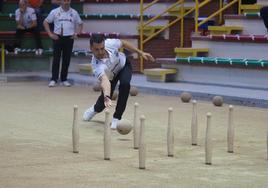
1 5
67 24
55 4
264 15
26 22
249 1
37 5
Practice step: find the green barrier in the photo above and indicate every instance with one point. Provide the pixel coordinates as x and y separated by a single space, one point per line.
223 61
209 60
252 15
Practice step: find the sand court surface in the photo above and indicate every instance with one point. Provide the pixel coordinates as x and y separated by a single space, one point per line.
36 142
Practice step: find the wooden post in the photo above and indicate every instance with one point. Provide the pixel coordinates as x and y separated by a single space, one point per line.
107 137
230 131
194 125
142 145
136 127
75 131
170 134
208 142
267 144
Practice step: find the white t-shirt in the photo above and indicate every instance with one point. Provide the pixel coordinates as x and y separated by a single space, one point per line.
65 22
28 17
110 66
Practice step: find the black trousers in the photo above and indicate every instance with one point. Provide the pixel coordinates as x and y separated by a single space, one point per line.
124 77
61 47
249 1
39 15
264 15
34 31
1 5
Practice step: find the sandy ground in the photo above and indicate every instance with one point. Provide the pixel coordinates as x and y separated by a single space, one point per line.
36 143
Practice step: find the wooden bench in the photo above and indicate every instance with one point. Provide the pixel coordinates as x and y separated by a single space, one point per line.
218 30
176 11
186 52
160 74
85 69
150 30
250 8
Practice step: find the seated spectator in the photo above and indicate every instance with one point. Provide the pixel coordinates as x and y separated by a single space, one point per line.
248 2
26 22
264 15
1 5
37 5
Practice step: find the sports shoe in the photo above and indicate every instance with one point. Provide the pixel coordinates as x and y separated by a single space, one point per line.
89 114
114 123
66 84
39 51
52 83
16 50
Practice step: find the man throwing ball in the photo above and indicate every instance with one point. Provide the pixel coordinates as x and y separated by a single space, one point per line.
110 66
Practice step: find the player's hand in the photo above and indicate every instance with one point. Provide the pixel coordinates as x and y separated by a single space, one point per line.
21 27
107 102
23 9
147 56
74 36
54 36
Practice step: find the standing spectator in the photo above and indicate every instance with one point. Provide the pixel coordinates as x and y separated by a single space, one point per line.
26 22
55 4
67 24
264 15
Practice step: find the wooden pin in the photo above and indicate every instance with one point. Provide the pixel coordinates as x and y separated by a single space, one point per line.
142 145
107 137
75 131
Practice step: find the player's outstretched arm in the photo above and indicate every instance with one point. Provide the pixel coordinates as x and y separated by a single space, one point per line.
106 88
132 48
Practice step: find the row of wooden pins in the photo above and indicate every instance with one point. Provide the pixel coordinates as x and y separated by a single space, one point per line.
208 140
139 137
140 140
194 133
230 130
230 136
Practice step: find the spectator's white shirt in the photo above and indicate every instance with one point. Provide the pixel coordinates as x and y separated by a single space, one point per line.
110 66
65 22
28 17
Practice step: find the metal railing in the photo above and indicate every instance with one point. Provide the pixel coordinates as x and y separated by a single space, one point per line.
183 13
143 24
222 7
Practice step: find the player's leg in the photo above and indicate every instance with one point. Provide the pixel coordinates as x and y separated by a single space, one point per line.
124 78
